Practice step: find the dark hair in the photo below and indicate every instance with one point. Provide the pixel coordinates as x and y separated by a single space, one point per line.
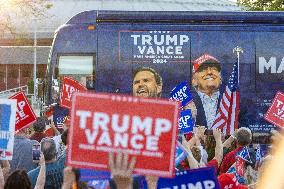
157 76
244 136
64 137
18 179
48 148
39 125
210 144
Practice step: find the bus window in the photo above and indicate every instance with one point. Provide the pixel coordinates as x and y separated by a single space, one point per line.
81 68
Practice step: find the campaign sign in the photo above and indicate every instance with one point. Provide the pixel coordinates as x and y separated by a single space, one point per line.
275 113
90 174
103 123
181 153
203 178
185 122
69 86
181 93
25 114
7 128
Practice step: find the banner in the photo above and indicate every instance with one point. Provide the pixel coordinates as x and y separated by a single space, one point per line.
275 113
69 86
25 115
185 124
203 178
181 93
7 128
115 123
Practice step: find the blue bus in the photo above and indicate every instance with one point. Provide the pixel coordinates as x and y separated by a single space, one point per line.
104 47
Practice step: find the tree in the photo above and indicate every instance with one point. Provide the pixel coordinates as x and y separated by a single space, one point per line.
262 5
11 10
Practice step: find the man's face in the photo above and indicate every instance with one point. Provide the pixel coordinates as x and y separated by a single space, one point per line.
207 79
145 85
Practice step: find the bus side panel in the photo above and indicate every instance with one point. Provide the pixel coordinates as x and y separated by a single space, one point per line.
124 48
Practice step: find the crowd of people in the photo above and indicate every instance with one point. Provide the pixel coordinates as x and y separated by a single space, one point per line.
204 147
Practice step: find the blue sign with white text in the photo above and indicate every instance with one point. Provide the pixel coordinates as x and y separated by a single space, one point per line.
203 178
90 174
185 122
5 112
181 93
244 154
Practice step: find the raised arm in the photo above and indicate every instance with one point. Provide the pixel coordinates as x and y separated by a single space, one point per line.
121 169
193 163
40 182
219 146
230 140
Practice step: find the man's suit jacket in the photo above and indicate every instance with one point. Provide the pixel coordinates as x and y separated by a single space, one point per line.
243 117
201 117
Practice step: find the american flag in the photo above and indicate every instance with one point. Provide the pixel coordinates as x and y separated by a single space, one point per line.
227 114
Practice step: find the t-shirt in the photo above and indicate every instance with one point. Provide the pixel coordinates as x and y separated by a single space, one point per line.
213 163
22 154
229 160
60 147
59 115
54 174
229 181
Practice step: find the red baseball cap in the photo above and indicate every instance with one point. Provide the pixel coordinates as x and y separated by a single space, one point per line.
206 60
229 180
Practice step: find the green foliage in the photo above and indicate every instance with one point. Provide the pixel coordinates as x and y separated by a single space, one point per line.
262 5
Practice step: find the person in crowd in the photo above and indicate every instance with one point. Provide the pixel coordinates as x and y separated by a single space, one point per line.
147 83
229 180
22 152
4 172
54 166
206 82
61 142
40 182
243 138
217 159
39 128
20 179
237 179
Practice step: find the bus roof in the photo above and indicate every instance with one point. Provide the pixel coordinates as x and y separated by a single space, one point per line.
91 17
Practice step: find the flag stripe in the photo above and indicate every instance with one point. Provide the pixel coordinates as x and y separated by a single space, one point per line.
227 114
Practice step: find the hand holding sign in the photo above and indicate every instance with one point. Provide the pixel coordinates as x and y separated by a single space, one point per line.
121 170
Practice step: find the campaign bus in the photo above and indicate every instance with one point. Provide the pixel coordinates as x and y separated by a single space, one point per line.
103 48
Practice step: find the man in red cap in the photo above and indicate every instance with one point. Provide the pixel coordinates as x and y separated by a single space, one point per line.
206 81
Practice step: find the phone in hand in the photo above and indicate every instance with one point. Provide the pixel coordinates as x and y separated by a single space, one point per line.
36 152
